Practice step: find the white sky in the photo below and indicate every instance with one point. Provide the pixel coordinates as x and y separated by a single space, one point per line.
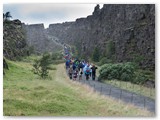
48 13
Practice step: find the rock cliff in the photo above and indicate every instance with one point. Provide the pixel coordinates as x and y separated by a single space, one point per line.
37 37
14 44
131 29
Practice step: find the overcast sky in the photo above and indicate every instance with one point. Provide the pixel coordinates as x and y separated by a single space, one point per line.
48 13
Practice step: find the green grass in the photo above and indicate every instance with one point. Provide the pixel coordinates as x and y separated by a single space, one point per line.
30 58
26 94
139 89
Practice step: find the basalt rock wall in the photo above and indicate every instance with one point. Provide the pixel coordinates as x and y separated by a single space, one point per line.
37 37
130 27
14 43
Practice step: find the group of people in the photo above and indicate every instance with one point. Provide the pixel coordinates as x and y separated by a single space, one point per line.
76 69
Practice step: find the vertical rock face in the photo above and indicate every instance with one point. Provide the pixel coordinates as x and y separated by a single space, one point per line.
130 27
37 37
14 44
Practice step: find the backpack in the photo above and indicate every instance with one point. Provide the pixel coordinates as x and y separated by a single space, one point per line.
87 70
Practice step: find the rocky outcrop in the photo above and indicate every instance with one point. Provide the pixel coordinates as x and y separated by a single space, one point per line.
131 28
14 44
37 37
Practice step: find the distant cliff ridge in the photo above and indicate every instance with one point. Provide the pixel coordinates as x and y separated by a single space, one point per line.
131 28
37 37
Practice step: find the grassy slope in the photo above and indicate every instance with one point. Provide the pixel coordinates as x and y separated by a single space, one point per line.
27 94
139 89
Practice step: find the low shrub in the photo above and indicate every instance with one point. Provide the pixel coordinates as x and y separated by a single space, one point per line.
42 65
140 78
120 71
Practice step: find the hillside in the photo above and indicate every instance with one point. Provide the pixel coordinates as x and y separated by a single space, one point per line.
26 94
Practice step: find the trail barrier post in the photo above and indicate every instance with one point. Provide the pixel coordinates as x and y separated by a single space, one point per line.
120 94
101 88
110 91
144 102
132 98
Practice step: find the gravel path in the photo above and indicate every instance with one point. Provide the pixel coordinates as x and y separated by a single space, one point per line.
120 94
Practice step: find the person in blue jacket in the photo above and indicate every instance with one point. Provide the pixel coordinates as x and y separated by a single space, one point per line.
87 72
